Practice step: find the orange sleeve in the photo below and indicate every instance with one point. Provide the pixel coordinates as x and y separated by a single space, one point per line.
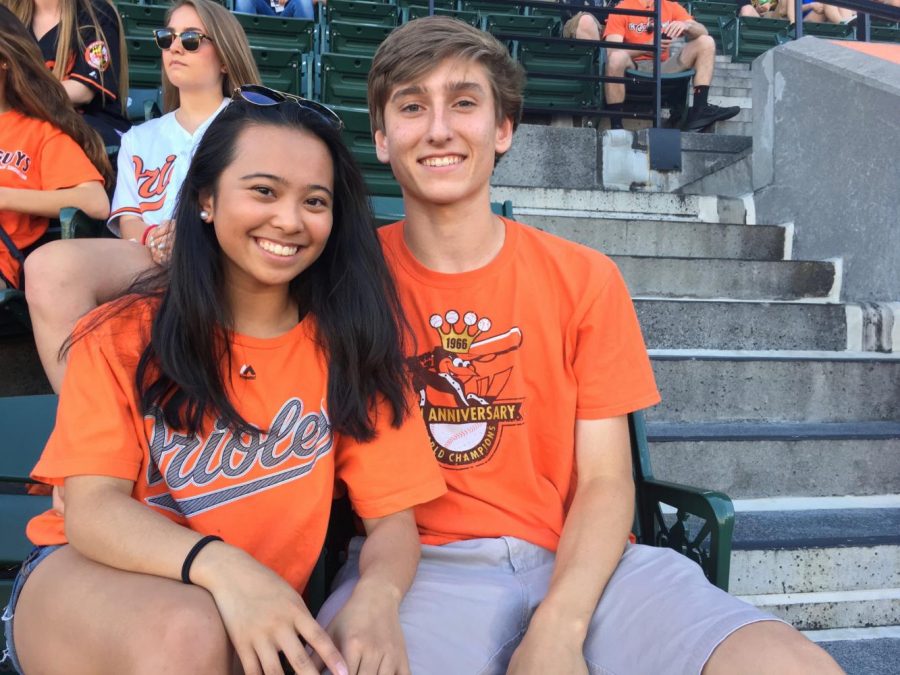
96 431
395 471
679 13
64 164
615 25
611 361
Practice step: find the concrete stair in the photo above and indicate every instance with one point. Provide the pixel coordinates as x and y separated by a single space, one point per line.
775 391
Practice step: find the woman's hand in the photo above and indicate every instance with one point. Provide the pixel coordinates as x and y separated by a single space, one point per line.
160 241
367 631
262 614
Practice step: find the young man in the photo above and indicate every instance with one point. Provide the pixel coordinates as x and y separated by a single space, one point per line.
527 358
699 53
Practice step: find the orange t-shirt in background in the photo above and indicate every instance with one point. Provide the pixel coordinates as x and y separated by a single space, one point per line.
507 358
35 155
268 492
636 28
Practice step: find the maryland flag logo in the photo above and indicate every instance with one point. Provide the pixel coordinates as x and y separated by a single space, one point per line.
96 55
460 383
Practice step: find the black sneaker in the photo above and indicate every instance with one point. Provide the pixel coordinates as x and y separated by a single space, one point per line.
704 117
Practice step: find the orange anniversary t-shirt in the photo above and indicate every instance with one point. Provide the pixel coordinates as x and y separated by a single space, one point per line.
268 492
35 155
507 358
636 28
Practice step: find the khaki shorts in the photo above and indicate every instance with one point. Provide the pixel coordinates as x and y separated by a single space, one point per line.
471 601
572 24
670 65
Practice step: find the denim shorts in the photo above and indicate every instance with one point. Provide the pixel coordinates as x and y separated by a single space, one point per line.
31 562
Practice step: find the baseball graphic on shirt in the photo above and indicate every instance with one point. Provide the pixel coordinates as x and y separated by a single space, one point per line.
460 383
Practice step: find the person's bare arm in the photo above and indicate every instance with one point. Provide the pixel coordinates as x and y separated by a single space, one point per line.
79 94
261 612
690 30
367 629
592 542
89 197
621 38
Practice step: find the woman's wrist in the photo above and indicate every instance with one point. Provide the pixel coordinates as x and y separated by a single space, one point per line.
146 234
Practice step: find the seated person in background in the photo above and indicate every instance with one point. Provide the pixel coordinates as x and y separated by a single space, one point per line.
205 56
819 12
698 53
527 357
49 157
584 25
286 9
83 43
760 9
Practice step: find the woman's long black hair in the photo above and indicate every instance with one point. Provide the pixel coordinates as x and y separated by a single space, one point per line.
348 292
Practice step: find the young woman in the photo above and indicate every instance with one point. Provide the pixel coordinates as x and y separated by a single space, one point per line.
49 158
83 43
206 417
205 56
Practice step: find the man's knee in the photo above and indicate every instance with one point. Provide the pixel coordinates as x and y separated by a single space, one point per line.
705 44
617 61
774 647
587 28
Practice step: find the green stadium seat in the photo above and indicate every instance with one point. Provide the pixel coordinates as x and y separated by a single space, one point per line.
273 32
353 38
343 80
745 38
826 31
513 24
552 10
76 224
14 318
144 104
141 20
357 135
708 13
438 4
418 11
884 33
487 7
353 11
144 63
543 92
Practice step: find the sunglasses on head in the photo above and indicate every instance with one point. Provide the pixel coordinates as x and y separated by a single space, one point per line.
256 94
190 39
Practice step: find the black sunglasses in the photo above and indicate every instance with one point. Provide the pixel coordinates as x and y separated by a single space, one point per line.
256 94
190 39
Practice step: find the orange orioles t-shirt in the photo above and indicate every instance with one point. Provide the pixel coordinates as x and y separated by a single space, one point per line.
268 492
507 358
636 29
35 155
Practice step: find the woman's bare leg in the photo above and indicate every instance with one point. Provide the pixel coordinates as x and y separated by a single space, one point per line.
76 616
66 279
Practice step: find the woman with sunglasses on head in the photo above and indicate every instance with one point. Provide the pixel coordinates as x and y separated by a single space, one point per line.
205 55
207 416
49 158
83 44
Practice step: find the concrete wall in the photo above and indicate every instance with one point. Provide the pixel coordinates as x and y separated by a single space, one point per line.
826 129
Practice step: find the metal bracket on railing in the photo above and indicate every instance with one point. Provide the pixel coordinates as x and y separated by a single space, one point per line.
665 149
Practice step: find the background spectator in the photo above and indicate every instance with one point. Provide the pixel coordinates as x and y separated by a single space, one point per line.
288 9
699 53
49 158
757 9
584 25
83 43
818 12
69 278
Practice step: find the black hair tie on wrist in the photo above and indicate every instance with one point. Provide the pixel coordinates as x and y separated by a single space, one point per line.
189 558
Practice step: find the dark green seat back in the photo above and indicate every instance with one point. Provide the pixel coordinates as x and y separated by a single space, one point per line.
487 7
273 32
547 91
144 63
343 79
357 135
355 39
353 11
512 24
141 20
417 11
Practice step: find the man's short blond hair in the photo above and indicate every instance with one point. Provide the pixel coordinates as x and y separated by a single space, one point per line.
411 51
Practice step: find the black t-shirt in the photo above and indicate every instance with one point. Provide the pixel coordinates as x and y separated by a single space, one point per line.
95 65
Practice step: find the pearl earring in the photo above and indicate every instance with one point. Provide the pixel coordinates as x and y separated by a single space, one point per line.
204 215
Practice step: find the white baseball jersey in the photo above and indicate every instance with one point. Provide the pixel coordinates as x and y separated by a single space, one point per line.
153 161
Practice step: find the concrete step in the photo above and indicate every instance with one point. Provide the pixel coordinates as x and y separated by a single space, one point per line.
669 324
729 66
732 79
740 92
864 656
664 277
743 102
750 460
840 609
838 550
733 127
669 238
698 386
597 203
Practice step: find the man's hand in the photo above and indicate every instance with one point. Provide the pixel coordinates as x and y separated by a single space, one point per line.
548 648
677 29
367 632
